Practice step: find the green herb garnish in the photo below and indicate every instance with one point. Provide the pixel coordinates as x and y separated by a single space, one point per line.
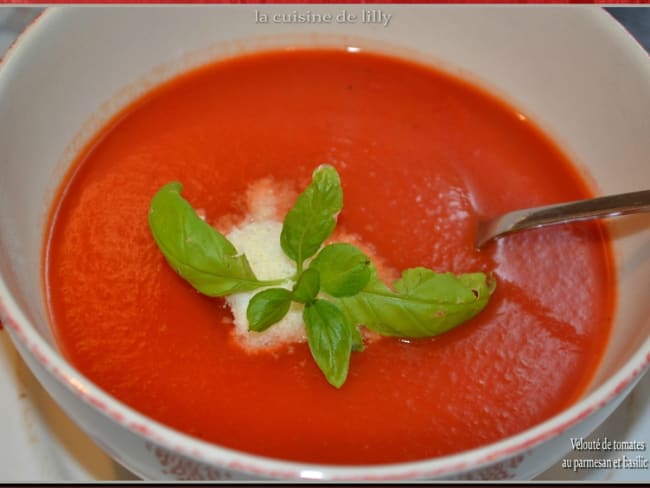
196 251
330 339
312 218
307 287
268 307
339 289
343 268
424 303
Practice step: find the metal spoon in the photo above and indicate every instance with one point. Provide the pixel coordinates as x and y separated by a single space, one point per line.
531 218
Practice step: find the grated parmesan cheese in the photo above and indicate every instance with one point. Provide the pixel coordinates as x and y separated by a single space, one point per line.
260 242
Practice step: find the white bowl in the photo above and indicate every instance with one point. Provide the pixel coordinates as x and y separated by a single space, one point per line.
573 70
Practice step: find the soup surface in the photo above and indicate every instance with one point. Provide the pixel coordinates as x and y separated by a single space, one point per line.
421 155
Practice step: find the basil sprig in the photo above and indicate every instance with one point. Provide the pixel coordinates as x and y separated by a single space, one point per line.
339 289
338 269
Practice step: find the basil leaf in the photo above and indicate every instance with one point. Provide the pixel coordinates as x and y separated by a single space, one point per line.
267 308
194 249
330 339
441 287
424 303
344 269
307 286
312 218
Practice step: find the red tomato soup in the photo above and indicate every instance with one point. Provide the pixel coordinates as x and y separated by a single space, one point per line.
421 155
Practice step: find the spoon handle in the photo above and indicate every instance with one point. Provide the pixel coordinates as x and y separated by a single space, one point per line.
593 208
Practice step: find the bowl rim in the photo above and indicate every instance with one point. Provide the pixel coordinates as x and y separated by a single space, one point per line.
23 331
